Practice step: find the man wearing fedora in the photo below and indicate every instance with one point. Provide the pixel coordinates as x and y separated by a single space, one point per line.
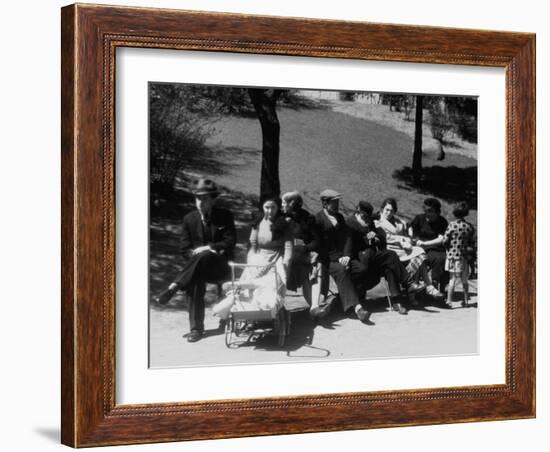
335 261
207 242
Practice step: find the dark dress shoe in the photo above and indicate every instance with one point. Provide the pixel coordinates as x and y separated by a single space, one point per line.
363 315
165 296
320 311
194 336
413 301
400 308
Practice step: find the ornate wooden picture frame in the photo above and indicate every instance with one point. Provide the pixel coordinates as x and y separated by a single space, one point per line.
90 37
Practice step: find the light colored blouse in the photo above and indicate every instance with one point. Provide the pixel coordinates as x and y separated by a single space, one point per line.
262 235
397 239
264 232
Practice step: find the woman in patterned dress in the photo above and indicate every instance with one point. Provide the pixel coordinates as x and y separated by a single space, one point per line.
398 240
459 241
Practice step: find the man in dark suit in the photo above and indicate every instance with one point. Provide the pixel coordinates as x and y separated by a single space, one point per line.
304 267
334 257
207 243
370 260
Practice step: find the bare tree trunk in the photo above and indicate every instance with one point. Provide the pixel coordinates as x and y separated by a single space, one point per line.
417 153
265 102
442 108
441 154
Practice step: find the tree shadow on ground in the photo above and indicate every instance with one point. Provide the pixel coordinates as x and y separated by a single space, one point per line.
214 160
449 183
206 162
229 157
452 143
330 322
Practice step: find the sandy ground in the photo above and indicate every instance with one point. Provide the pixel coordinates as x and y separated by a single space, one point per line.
426 331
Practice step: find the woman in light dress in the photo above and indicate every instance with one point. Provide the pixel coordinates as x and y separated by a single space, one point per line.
399 240
262 286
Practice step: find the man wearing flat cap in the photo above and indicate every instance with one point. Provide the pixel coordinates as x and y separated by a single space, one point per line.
334 235
207 242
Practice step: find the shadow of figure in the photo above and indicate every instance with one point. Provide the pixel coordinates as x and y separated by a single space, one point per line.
218 331
301 334
298 343
433 305
336 314
449 183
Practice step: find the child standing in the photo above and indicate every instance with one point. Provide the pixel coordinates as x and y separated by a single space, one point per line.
458 240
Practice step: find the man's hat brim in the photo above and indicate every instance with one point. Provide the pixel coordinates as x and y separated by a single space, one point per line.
205 187
205 192
330 194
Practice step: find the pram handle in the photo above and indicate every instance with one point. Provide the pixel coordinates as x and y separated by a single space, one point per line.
233 264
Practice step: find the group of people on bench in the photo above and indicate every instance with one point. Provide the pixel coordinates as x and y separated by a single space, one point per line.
306 250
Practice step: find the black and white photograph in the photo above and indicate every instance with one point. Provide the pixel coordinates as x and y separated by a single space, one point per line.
297 225
271 226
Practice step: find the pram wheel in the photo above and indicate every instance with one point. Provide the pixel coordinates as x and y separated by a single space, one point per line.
250 317
229 332
282 326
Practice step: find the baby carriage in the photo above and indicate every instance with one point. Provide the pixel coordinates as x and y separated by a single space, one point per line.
256 310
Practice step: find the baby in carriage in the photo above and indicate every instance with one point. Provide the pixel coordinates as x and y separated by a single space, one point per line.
263 292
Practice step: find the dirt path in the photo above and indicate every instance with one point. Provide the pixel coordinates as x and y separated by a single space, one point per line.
427 331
